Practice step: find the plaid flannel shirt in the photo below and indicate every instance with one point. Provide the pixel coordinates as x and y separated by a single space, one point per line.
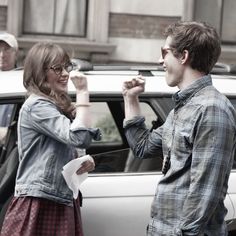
199 138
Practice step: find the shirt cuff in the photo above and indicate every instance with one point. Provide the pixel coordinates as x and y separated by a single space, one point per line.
136 120
78 125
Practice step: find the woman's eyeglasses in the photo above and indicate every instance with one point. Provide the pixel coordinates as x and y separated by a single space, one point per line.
58 68
164 51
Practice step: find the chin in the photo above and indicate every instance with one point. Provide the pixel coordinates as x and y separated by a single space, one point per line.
62 90
171 82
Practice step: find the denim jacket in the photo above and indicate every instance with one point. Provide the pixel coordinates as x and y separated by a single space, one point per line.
46 142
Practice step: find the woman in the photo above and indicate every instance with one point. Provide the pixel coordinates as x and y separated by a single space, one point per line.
50 128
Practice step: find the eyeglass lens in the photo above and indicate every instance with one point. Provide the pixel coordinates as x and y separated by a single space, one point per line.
59 68
164 52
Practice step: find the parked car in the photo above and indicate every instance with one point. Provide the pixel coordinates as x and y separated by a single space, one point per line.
117 195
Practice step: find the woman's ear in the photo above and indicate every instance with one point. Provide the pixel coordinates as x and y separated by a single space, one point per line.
184 57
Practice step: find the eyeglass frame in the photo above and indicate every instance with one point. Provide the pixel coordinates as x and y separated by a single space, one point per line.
164 51
62 67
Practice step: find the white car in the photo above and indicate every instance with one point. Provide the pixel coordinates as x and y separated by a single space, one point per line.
117 196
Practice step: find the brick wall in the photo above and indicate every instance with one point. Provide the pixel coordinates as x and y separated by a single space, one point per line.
138 26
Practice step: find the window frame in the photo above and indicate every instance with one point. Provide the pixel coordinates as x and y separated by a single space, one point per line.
228 51
101 153
95 42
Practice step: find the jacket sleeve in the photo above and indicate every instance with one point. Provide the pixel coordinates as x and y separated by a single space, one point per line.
48 120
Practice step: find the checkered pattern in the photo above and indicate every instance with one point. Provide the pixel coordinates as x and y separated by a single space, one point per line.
29 216
198 140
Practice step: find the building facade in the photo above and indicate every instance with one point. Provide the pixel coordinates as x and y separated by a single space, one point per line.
111 31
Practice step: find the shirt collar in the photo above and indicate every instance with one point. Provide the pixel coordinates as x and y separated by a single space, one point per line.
181 96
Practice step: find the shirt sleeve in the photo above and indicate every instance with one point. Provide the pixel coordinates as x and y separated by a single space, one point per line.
48 120
145 144
212 156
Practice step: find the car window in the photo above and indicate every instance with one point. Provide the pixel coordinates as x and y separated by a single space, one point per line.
5 117
5 120
115 155
7 129
102 118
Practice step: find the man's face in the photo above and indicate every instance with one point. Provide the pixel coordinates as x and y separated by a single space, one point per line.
7 57
171 65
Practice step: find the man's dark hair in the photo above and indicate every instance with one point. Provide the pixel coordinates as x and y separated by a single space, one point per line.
199 39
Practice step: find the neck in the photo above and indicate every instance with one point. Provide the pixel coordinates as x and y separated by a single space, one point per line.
189 77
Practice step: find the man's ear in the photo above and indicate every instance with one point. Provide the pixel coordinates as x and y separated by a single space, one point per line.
185 56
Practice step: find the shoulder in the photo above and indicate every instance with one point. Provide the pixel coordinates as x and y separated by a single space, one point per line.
210 104
36 100
209 96
39 106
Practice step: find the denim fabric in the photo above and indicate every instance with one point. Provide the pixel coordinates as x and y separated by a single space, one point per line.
199 136
46 143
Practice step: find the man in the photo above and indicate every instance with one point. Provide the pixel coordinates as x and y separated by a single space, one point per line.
197 140
8 51
8 57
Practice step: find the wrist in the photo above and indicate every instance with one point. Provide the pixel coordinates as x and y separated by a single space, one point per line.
82 92
79 104
131 99
82 97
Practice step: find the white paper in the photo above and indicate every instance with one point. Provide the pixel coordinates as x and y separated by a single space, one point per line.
72 179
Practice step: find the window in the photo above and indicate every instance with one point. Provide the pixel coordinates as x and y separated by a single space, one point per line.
115 154
6 111
103 119
80 26
50 15
55 17
222 17
228 33
8 135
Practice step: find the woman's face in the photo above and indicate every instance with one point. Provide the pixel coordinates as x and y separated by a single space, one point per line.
57 77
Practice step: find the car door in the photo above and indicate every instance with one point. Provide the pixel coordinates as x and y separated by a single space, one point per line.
117 196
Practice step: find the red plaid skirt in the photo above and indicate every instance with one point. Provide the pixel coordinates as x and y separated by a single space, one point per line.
30 216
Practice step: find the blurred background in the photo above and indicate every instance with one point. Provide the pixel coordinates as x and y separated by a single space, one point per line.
113 31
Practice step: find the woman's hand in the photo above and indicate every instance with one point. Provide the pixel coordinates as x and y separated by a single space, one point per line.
86 166
79 80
